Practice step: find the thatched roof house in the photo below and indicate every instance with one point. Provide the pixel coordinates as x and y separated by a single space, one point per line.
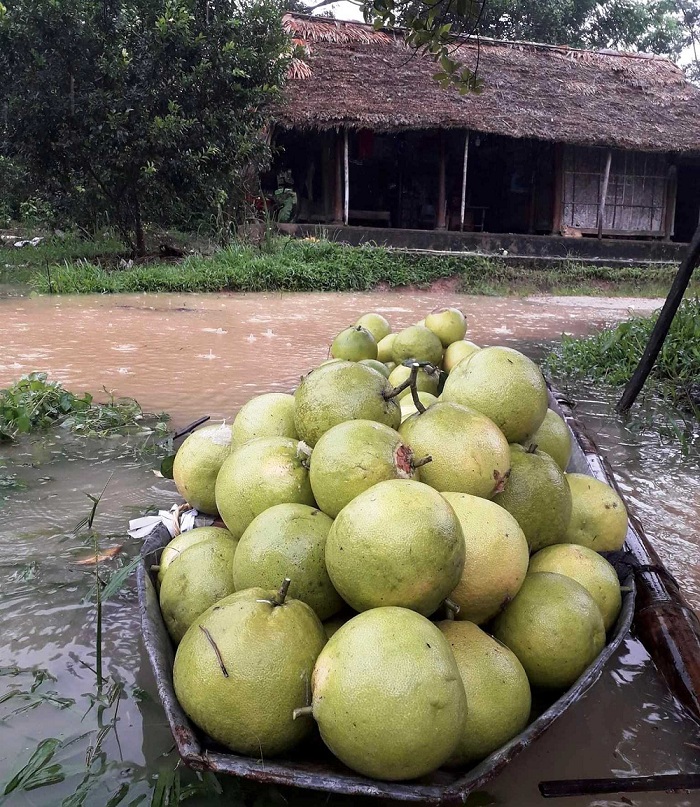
579 111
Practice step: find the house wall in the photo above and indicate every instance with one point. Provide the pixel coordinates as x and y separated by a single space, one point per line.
637 193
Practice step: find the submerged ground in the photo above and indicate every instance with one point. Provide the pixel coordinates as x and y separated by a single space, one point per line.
207 354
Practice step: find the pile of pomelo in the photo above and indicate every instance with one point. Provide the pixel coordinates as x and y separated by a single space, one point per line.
404 557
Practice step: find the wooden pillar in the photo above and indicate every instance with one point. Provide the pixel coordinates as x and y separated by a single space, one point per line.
338 183
346 184
558 187
441 217
671 193
464 181
604 193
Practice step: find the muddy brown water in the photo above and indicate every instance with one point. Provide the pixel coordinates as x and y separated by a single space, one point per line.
207 354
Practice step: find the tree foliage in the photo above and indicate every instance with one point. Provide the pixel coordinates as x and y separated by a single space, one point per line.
140 109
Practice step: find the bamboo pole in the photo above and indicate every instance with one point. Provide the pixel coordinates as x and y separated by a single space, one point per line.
604 193
346 173
441 218
464 182
663 323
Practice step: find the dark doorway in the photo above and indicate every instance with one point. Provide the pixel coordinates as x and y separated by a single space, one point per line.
687 203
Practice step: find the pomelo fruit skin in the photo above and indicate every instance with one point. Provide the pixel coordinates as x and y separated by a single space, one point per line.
387 695
353 344
554 628
288 540
448 324
174 549
376 324
352 457
268 652
537 495
588 568
598 517
456 352
497 690
269 415
201 577
502 384
496 561
377 365
419 343
258 475
385 348
197 463
338 392
408 408
425 381
554 438
398 543
470 453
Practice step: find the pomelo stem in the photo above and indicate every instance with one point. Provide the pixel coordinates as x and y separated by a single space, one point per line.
532 448
155 567
452 608
282 593
302 711
422 461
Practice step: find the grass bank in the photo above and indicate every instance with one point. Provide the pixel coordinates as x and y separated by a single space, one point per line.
611 356
328 266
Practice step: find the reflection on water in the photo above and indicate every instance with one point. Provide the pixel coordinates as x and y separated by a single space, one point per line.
208 354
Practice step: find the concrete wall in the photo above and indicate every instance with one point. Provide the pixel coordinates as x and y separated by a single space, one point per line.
606 250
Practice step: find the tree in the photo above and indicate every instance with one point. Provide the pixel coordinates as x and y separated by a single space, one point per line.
140 109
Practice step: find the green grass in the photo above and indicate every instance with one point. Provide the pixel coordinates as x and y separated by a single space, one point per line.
611 356
21 264
328 266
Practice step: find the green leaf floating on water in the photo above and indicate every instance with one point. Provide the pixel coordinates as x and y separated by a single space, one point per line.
166 467
37 772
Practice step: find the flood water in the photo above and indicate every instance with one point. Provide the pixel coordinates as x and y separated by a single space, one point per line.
207 354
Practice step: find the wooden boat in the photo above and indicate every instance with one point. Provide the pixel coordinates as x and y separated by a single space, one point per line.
314 768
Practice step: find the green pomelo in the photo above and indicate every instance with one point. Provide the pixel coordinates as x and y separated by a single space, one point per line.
588 568
419 343
470 453
376 324
502 384
457 351
554 438
353 344
497 690
288 540
352 457
408 408
387 695
425 381
377 365
258 475
598 516
197 464
496 559
338 392
174 549
243 668
448 324
385 348
398 543
201 577
269 415
537 495
554 628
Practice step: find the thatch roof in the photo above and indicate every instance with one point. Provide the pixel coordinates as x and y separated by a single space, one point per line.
357 77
